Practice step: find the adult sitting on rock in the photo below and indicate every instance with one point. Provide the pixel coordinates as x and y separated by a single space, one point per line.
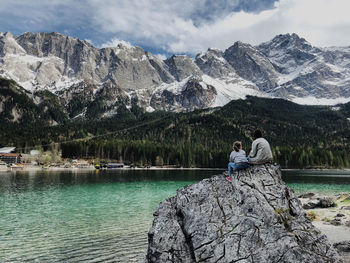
261 151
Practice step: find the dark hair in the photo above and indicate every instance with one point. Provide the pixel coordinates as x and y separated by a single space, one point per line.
257 134
237 145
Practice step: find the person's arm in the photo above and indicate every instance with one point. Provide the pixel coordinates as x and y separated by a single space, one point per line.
254 149
231 157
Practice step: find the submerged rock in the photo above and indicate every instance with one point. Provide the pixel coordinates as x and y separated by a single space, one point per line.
336 222
256 218
306 195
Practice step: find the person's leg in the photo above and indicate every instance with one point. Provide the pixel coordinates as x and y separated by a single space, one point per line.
231 166
242 166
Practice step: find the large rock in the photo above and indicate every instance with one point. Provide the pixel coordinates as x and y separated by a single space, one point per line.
256 218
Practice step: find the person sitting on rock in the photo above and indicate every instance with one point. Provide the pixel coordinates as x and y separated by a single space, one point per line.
261 151
238 159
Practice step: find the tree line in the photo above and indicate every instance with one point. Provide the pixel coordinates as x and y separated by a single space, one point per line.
143 153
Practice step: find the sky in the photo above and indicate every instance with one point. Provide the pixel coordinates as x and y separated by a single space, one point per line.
166 27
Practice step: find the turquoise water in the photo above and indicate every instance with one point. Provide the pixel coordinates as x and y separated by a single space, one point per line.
318 181
102 216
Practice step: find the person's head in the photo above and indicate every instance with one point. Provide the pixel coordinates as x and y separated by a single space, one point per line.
257 134
237 146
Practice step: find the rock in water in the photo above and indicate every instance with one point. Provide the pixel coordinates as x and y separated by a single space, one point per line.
256 218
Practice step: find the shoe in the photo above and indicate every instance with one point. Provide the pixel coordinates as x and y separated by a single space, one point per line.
228 179
225 173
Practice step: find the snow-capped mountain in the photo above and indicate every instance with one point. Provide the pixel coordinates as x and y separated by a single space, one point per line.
83 76
308 74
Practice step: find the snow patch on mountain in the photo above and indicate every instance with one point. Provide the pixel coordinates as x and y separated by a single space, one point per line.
319 101
227 91
176 87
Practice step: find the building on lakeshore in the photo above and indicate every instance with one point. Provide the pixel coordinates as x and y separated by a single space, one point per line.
7 149
10 158
34 152
115 165
80 163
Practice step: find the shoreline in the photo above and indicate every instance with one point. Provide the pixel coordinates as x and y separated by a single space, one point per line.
37 168
316 169
333 221
92 168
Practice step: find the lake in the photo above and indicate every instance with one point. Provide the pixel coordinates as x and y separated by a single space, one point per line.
103 216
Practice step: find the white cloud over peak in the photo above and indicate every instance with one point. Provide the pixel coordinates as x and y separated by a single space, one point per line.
183 26
161 56
166 25
114 42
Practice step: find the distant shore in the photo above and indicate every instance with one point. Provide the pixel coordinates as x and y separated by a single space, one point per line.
92 168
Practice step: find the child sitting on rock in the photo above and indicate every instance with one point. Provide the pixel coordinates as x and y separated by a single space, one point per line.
238 159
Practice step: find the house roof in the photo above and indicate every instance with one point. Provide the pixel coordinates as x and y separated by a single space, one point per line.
10 154
7 149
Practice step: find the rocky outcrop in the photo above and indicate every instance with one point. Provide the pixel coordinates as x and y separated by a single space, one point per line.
256 218
19 106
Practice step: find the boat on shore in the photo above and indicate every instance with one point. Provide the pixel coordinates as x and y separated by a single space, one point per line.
16 167
3 166
115 165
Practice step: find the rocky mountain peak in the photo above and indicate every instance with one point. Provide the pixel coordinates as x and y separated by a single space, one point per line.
213 63
288 51
287 43
43 44
8 45
256 218
252 65
7 34
182 66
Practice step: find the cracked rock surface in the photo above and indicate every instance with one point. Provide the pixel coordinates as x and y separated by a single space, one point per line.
256 218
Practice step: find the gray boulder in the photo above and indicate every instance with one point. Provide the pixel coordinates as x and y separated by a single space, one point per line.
310 205
256 218
324 202
343 246
343 249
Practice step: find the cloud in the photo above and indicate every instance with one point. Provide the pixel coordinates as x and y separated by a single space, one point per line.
161 56
115 42
174 27
186 26
65 16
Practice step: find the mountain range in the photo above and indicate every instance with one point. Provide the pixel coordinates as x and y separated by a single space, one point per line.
60 73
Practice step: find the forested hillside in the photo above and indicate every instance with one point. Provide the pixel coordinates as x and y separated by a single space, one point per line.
300 136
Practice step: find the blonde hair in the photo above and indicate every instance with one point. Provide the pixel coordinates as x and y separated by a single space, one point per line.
237 146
